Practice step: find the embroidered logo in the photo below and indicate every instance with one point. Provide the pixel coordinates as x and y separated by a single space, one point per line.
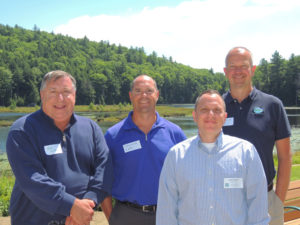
258 110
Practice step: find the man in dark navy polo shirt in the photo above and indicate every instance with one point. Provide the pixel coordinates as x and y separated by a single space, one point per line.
261 119
139 145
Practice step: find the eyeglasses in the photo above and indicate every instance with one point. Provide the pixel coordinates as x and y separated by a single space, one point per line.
140 92
65 93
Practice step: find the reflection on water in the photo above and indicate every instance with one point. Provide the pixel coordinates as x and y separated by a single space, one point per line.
3 136
186 123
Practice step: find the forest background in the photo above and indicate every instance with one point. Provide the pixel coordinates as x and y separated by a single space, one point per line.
104 71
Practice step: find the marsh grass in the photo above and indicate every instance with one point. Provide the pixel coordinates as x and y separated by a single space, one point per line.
104 113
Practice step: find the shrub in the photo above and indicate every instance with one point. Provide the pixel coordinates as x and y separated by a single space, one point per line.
6 186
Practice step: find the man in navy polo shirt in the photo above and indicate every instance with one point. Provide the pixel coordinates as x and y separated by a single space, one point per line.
139 145
261 119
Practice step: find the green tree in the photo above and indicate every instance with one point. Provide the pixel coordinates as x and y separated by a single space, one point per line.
5 86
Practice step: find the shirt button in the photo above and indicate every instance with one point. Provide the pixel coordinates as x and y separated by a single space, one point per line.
211 207
210 189
241 108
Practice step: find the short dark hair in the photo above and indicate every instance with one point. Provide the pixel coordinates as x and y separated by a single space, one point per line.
210 92
56 74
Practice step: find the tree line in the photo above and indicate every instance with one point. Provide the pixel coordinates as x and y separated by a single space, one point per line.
104 71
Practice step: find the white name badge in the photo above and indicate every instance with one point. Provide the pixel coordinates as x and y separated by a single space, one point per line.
233 183
229 121
132 146
53 149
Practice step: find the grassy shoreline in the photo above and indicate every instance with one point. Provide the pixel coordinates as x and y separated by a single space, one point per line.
105 113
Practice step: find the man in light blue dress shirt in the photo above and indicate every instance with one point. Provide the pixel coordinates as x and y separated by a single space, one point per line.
212 178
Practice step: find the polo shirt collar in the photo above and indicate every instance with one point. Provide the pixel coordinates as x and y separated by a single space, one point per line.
229 99
48 119
129 124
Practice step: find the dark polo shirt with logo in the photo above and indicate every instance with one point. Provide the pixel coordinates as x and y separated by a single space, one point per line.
260 119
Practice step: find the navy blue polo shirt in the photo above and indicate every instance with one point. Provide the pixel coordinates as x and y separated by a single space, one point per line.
260 119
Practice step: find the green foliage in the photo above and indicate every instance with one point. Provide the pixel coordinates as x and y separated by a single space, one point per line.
103 71
13 104
92 106
280 77
6 186
295 174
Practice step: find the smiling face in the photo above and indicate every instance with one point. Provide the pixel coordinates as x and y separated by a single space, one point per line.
58 100
144 95
239 69
209 116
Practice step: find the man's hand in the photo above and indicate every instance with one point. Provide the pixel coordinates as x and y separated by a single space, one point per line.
70 221
81 212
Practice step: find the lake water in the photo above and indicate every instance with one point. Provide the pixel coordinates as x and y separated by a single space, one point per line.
186 123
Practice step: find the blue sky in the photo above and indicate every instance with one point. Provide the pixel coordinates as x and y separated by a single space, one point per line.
198 33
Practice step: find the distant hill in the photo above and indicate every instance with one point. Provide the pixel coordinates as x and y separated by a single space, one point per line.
104 71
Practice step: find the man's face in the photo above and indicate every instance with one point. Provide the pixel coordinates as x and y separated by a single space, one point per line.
58 100
144 95
210 116
239 70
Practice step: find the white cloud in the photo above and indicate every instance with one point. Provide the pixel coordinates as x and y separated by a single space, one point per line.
199 33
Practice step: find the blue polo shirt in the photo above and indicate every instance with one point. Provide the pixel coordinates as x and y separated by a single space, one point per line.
52 167
261 119
138 158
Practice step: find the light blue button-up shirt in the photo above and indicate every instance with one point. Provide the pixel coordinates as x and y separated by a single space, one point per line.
224 186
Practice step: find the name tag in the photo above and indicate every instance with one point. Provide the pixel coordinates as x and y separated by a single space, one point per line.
229 121
132 146
53 149
233 183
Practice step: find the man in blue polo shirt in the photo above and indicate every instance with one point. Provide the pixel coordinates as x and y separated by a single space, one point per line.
261 119
60 160
138 145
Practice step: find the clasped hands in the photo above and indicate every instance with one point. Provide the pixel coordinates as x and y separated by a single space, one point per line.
81 212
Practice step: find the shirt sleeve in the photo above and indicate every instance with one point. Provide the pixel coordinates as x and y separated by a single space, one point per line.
100 183
181 136
283 129
167 205
256 191
44 192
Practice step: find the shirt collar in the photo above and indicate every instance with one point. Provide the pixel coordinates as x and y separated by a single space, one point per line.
129 124
229 99
217 148
47 118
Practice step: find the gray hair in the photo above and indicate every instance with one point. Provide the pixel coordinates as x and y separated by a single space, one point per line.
55 75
